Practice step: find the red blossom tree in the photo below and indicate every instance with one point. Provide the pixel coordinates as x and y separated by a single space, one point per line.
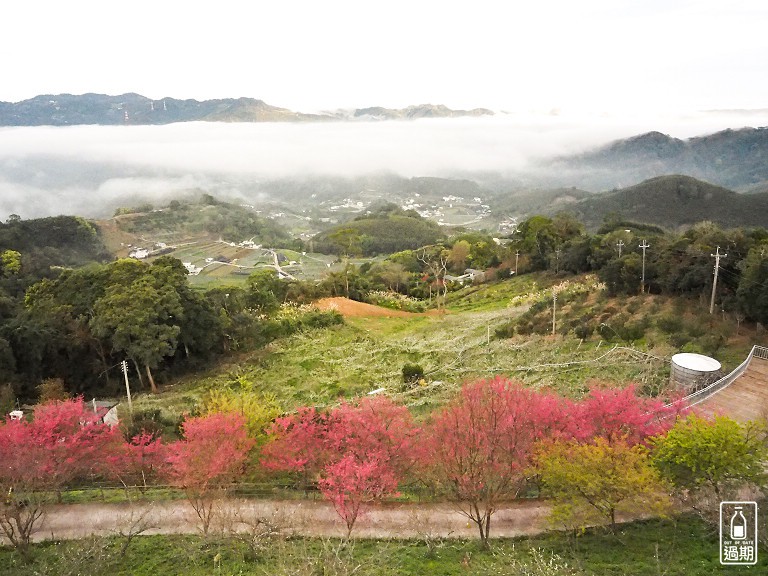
64 442
357 452
75 443
478 447
620 414
141 461
296 443
211 455
351 483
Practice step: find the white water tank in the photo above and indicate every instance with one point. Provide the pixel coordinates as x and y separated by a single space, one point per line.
690 370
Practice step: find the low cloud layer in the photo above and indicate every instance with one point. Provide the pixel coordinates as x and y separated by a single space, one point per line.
89 169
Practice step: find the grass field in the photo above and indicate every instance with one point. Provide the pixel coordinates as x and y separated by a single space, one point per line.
364 354
683 546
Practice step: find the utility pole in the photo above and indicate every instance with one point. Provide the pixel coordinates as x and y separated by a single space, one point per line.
127 386
554 308
620 244
517 256
557 260
644 245
717 257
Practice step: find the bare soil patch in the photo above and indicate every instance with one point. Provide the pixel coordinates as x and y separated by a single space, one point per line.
353 309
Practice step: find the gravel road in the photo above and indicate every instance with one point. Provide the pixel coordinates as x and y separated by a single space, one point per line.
301 517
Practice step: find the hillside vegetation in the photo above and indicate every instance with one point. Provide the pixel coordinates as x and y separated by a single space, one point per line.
675 201
385 230
207 216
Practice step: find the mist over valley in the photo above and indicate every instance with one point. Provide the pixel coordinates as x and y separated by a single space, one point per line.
92 170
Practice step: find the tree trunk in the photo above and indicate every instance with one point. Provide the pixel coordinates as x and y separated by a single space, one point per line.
346 277
152 385
103 358
138 371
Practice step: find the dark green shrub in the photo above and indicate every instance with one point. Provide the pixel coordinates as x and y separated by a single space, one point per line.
669 323
583 331
678 339
505 331
412 373
524 328
148 421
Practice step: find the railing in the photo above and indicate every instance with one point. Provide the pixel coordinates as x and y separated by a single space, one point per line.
706 392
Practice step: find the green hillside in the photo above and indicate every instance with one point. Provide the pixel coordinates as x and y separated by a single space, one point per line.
674 201
230 222
384 231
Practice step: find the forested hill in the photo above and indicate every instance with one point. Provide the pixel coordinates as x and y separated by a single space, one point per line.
231 222
384 230
43 243
674 201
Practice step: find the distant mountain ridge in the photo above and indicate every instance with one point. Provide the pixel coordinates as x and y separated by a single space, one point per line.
736 159
135 109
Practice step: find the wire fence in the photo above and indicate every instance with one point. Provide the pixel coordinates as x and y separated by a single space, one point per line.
109 492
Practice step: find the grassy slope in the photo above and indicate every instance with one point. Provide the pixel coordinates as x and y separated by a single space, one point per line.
678 547
320 366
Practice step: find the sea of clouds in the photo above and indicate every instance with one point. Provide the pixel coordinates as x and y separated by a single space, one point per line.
89 170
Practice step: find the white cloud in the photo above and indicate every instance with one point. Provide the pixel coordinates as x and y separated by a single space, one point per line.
46 170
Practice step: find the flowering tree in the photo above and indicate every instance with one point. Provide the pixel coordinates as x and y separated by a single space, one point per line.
296 443
357 452
479 446
211 455
620 414
350 483
140 461
63 442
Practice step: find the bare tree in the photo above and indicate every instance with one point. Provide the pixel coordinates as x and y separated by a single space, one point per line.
140 520
436 264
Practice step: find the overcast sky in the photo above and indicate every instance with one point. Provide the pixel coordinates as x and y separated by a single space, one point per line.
616 56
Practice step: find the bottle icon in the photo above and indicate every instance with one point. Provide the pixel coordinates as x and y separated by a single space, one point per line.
738 525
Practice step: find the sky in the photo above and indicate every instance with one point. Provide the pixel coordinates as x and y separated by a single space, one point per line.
570 75
617 57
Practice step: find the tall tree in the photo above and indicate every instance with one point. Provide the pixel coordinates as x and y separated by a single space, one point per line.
458 255
752 292
141 320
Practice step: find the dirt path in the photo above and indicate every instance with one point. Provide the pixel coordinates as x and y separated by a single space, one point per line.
302 517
